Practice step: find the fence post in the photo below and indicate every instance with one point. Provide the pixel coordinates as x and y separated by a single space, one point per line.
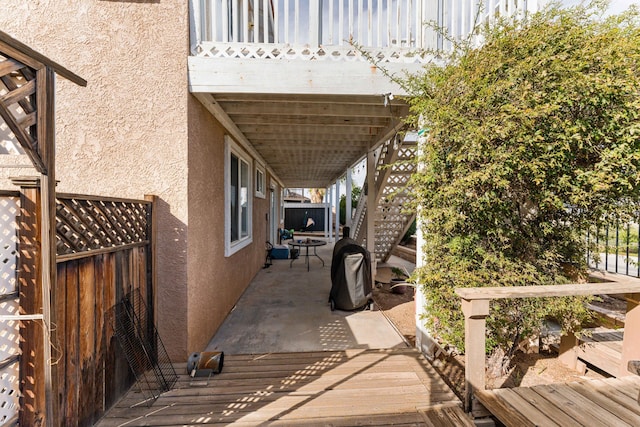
475 315
151 256
29 272
630 344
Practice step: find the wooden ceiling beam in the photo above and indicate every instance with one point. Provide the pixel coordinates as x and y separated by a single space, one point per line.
376 100
287 137
288 120
312 130
311 147
312 109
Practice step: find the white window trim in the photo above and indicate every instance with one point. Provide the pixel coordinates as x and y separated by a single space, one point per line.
231 248
259 168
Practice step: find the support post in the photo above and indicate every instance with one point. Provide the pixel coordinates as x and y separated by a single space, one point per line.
371 204
327 212
32 361
475 315
329 200
337 210
567 352
630 343
348 195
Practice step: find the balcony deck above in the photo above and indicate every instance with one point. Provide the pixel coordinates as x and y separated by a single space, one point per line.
307 83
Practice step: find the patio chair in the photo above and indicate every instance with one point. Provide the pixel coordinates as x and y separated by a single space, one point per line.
308 222
284 234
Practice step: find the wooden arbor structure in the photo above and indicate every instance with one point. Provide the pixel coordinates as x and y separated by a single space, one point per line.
27 99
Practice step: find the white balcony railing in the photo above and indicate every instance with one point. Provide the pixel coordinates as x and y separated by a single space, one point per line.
388 28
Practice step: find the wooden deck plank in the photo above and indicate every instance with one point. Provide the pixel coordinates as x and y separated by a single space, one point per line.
550 410
446 416
615 391
398 420
603 349
243 403
578 413
629 385
265 414
512 409
298 389
600 356
506 413
587 407
590 403
361 382
592 395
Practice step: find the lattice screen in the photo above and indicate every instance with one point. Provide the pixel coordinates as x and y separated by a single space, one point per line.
17 108
9 331
84 224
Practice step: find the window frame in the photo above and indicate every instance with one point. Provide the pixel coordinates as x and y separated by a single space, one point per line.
260 181
232 148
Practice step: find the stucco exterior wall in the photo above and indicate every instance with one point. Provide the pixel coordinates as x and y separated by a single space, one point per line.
125 134
215 281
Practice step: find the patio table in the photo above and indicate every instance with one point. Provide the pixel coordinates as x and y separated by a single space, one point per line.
308 243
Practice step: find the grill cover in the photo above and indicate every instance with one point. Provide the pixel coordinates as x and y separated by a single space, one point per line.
350 275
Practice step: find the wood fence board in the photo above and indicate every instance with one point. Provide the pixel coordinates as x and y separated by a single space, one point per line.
110 389
72 369
100 337
60 351
87 347
123 375
88 370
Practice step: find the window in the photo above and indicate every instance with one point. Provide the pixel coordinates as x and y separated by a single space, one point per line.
260 178
237 198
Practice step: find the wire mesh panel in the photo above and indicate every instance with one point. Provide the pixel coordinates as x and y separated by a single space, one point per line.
143 349
9 329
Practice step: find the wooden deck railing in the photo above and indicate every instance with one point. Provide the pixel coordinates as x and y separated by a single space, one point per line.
475 306
292 28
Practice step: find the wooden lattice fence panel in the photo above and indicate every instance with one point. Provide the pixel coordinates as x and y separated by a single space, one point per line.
9 329
87 224
18 109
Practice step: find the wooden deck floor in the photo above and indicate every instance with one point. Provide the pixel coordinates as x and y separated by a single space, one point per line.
593 403
353 387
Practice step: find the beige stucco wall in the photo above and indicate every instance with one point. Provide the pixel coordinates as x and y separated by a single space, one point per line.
215 281
125 134
135 130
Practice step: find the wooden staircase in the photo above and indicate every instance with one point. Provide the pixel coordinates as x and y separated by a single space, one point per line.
393 216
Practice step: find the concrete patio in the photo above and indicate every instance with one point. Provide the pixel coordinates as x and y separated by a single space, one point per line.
285 309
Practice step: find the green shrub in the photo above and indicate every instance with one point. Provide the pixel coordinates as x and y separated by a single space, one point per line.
530 138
